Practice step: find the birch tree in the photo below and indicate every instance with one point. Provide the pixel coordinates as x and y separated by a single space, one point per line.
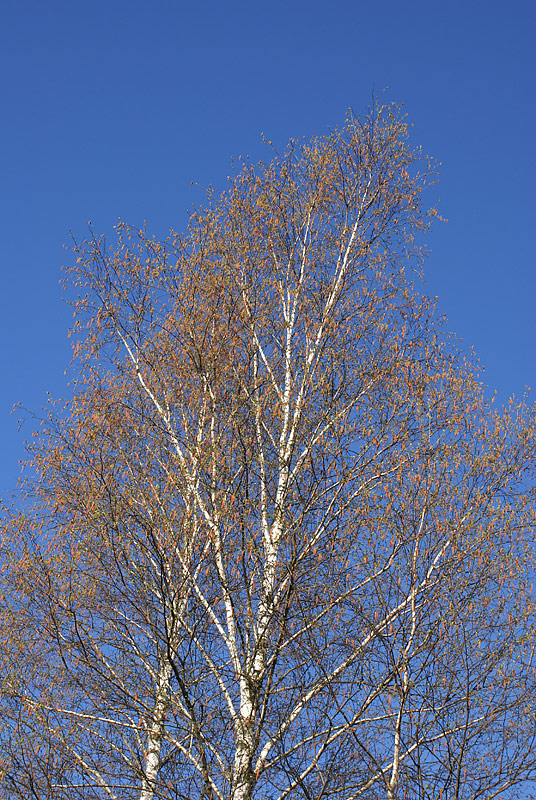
278 545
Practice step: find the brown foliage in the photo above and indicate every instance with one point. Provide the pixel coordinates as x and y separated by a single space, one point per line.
279 546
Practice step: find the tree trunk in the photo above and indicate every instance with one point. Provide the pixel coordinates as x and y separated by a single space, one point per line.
154 735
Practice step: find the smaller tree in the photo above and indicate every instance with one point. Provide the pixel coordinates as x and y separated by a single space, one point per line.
279 546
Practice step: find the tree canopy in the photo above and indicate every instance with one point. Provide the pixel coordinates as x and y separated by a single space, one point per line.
278 544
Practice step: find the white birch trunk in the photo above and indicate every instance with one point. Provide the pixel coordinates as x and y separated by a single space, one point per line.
243 779
154 734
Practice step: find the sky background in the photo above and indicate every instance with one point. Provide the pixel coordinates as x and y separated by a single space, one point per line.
112 109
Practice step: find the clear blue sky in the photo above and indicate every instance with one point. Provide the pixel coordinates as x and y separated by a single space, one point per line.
111 109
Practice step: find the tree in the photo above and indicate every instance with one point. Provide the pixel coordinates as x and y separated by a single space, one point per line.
278 545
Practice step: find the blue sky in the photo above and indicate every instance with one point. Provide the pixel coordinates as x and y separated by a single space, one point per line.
112 109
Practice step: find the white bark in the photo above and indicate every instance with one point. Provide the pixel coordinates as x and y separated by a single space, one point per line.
155 732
